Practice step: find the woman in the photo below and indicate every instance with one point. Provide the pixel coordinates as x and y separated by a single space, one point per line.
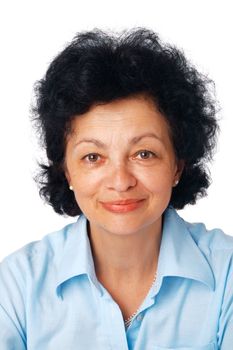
128 125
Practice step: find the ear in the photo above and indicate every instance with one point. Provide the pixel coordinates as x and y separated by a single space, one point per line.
179 169
67 177
66 172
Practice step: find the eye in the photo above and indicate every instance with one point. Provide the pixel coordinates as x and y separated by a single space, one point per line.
91 158
145 154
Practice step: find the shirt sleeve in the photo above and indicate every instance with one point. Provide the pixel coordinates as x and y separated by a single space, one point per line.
225 333
12 310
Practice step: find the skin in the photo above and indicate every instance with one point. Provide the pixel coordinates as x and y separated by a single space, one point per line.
125 245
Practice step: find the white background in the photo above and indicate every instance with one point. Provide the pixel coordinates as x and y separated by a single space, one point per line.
33 32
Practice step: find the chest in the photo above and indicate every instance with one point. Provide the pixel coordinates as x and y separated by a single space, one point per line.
127 296
178 314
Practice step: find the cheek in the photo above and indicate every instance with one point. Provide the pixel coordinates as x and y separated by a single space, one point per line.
85 183
78 172
156 180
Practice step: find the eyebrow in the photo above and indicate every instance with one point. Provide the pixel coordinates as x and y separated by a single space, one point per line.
133 141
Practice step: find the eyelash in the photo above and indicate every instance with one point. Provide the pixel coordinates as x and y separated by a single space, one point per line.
147 151
152 155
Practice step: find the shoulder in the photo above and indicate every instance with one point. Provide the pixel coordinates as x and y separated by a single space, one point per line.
36 255
212 239
212 247
216 247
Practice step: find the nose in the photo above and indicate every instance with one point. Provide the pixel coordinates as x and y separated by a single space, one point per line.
120 178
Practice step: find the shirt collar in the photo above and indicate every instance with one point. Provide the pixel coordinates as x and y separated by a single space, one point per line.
77 257
179 254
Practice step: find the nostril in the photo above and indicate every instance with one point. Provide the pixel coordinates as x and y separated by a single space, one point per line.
121 179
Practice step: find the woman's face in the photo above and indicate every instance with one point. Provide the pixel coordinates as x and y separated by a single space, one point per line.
121 152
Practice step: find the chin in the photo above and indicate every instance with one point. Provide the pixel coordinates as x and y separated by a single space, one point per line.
123 226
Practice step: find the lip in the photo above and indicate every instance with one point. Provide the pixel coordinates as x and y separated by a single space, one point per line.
123 201
122 206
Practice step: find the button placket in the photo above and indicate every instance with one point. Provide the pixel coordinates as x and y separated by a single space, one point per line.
115 325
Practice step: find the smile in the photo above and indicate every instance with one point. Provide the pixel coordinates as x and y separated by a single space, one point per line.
122 206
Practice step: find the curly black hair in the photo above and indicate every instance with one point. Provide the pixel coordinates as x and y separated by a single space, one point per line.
99 67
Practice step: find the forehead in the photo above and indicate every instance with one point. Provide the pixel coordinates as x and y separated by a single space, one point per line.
131 114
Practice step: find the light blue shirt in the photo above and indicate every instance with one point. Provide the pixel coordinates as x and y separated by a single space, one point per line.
50 298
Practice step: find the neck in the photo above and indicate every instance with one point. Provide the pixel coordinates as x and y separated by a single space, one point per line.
130 258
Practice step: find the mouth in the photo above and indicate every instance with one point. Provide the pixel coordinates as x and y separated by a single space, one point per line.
123 206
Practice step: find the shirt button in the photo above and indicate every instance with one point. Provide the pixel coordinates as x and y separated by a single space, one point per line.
139 317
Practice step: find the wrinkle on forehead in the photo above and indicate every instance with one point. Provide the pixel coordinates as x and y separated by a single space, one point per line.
133 117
